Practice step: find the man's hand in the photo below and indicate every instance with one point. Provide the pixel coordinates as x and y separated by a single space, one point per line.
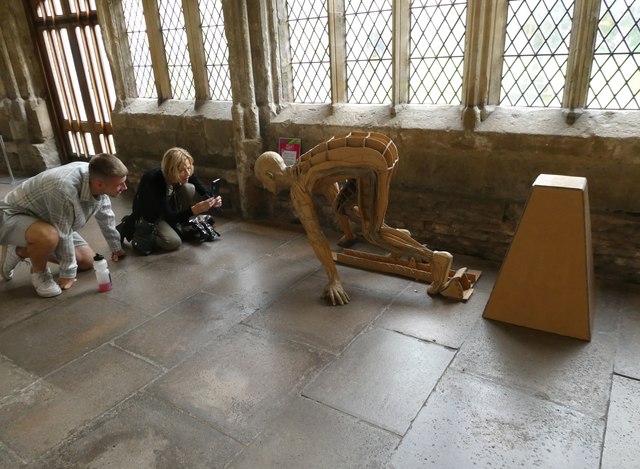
66 283
117 255
336 293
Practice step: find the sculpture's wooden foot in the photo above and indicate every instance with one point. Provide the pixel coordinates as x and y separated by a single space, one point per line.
345 242
459 285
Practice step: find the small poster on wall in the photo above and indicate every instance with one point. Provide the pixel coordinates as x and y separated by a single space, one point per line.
289 149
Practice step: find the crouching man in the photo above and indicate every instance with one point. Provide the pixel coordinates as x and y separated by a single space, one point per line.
40 218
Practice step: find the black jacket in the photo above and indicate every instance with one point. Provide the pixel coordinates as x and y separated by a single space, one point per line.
150 201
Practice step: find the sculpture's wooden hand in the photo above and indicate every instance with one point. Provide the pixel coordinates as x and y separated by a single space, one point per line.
336 293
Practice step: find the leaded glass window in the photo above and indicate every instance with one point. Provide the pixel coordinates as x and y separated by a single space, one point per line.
536 52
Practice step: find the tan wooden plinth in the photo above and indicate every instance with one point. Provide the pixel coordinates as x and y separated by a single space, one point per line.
546 280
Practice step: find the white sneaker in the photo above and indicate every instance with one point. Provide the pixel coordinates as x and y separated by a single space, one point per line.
9 260
45 285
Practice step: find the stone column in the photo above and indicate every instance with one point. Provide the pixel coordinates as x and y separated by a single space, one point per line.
263 35
244 111
25 120
116 45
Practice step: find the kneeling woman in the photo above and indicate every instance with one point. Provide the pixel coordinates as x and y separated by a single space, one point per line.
166 197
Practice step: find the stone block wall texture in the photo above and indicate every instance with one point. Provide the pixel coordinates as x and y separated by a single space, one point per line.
144 131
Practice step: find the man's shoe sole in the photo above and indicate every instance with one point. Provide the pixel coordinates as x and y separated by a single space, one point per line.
49 294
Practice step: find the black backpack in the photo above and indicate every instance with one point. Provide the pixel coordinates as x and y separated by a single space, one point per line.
144 237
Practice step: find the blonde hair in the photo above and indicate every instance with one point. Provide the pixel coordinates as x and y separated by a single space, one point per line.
173 161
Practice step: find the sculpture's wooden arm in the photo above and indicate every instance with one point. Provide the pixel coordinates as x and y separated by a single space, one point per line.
303 204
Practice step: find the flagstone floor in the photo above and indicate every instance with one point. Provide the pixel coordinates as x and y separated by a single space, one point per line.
224 355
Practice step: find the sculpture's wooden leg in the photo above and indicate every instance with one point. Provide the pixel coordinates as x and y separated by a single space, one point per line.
458 285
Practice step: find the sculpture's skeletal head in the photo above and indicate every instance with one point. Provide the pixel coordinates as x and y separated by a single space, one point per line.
270 169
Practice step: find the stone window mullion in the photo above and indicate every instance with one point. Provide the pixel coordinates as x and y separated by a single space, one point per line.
496 61
337 51
196 49
484 46
581 51
400 65
156 46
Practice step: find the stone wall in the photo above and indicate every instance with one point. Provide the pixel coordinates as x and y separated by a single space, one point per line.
455 189
143 131
25 122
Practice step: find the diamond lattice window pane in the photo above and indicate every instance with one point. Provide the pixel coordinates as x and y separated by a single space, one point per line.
176 48
216 49
536 52
615 73
139 47
369 51
309 49
436 51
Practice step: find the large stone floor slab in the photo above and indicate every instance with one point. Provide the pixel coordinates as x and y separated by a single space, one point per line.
44 414
144 432
260 283
9 460
622 440
238 382
13 377
19 300
302 315
155 287
472 422
436 319
183 329
561 369
310 435
66 331
628 349
231 251
383 378
299 250
628 346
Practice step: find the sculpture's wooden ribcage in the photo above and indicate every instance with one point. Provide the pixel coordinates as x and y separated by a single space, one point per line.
367 162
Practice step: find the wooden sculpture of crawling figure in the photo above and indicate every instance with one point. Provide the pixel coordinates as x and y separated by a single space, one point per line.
366 161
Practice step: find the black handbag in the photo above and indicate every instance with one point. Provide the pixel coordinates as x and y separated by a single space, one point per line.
126 228
198 228
144 237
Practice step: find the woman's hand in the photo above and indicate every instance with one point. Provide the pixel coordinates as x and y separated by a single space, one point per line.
205 205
